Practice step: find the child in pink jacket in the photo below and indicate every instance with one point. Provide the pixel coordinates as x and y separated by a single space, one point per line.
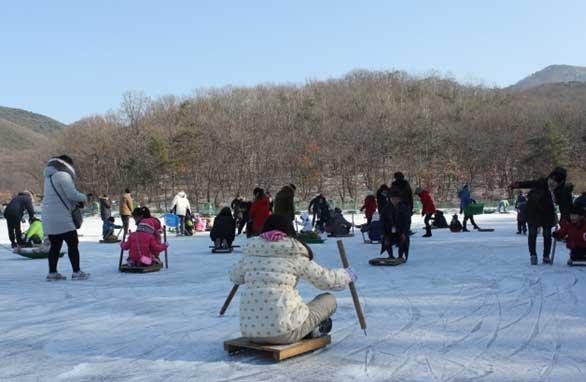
142 245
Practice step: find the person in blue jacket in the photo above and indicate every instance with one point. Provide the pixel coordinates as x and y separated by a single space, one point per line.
465 201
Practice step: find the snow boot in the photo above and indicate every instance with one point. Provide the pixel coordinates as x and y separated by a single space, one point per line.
224 244
546 260
322 329
218 243
80 276
55 277
533 260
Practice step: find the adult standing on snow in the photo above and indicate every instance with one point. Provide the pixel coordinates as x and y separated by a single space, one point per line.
105 207
285 202
259 212
369 206
540 209
181 208
14 213
427 210
465 201
60 198
382 197
313 207
401 184
125 209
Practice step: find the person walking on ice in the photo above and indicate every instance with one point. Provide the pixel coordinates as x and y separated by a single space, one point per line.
427 210
181 208
271 309
60 198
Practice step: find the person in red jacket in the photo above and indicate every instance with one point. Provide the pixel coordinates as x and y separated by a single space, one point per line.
259 212
575 231
142 245
428 208
369 206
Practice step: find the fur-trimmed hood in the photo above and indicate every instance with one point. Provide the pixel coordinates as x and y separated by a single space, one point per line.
55 165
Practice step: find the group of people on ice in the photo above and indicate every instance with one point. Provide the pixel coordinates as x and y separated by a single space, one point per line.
271 309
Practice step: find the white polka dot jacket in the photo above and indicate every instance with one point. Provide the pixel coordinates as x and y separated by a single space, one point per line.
270 304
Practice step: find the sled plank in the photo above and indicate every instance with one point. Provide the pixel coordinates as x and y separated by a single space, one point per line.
386 262
220 250
109 241
341 235
278 352
151 268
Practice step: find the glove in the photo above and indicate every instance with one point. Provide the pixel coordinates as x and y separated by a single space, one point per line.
353 276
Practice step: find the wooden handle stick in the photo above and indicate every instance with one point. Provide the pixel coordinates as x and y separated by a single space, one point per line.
122 251
352 287
229 299
166 255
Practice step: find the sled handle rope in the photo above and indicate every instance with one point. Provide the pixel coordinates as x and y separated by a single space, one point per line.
352 287
166 255
229 299
122 251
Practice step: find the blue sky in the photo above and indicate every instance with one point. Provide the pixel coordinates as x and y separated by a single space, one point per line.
69 59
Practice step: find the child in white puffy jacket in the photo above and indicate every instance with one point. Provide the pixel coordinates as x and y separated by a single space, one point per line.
271 309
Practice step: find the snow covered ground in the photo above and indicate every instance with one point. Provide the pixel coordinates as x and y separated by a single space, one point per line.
466 307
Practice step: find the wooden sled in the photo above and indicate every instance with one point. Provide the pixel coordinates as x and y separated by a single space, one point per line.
110 241
32 255
313 241
341 235
125 268
485 230
385 261
222 250
277 352
576 263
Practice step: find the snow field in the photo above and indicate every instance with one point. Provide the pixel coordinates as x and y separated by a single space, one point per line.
466 307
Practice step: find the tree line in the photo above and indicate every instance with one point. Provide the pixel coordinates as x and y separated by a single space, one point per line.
341 136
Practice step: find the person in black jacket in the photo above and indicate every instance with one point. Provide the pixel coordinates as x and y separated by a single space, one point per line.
395 219
540 209
224 229
401 184
14 213
105 207
314 206
382 197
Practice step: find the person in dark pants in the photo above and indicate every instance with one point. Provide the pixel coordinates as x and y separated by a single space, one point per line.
465 201
382 197
125 209
14 213
521 206
401 184
540 210
105 207
60 196
395 219
223 230
427 210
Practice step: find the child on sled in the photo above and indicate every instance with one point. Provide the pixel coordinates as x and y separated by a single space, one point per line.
575 231
224 229
271 309
455 225
143 248
108 228
338 225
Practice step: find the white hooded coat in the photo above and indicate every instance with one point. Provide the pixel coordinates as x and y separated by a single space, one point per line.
57 216
270 304
181 204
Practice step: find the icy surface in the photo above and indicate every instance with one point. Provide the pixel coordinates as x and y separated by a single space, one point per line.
466 307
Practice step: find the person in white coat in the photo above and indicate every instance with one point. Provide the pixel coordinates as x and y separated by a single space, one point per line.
181 208
60 196
271 309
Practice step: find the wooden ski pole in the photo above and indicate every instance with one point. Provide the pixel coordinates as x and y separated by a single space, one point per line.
166 254
229 299
352 287
122 251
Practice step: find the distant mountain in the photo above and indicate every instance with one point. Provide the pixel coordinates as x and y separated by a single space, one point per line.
565 92
552 74
21 129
